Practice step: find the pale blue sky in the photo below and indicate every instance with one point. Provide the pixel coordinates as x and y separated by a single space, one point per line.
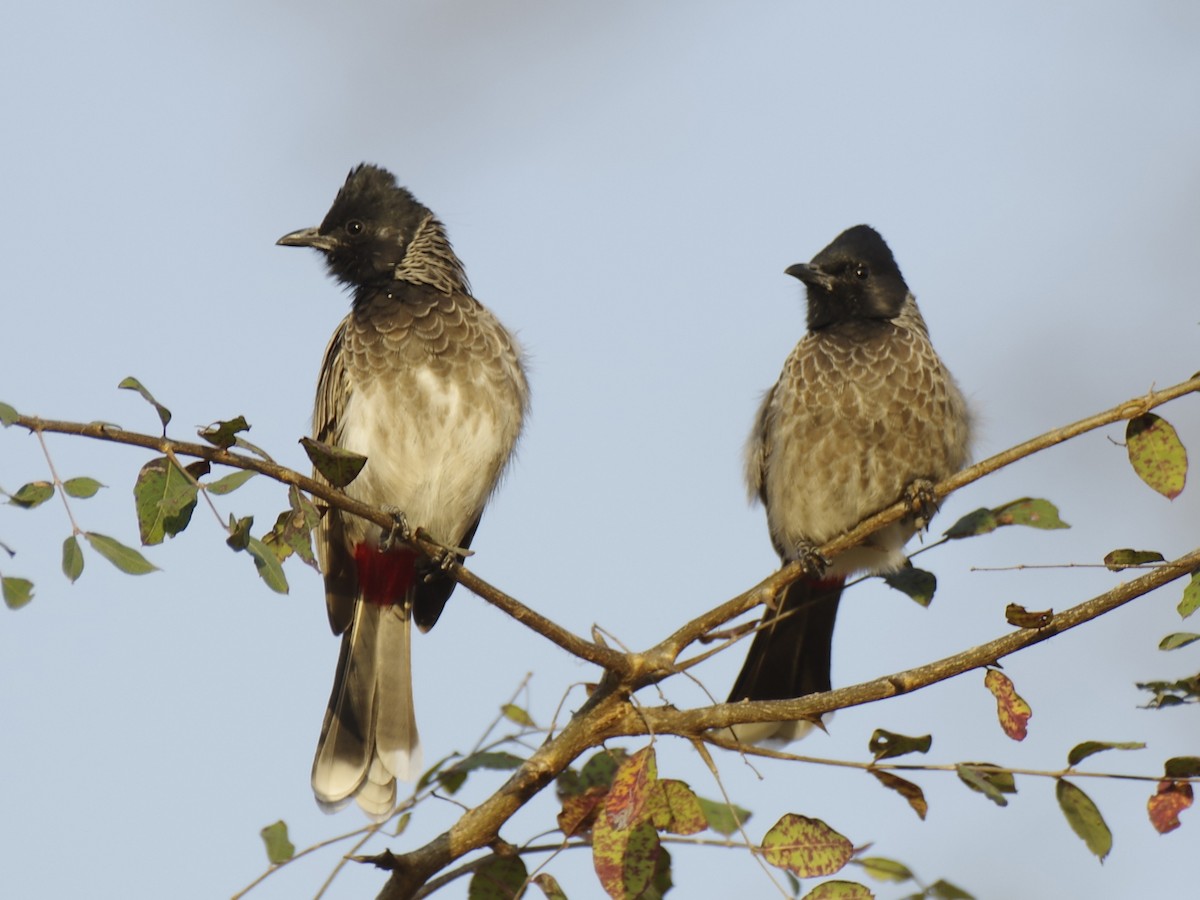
626 183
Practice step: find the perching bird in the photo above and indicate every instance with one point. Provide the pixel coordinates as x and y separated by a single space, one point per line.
423 381
863 413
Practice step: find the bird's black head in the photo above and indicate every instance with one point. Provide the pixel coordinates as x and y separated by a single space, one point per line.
367 230
855 277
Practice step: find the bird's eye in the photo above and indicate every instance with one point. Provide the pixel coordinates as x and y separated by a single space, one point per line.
861 271
354 228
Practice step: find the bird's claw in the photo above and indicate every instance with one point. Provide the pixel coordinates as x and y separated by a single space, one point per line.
399 533
814 562
922 502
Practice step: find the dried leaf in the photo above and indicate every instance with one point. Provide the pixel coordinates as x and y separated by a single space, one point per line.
906 789
224 434
675 809
1023 618
337 466
549 887
1164 807
888 744
839 890
1116 560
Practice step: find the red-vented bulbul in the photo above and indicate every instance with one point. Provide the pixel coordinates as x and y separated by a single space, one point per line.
863 411
426 384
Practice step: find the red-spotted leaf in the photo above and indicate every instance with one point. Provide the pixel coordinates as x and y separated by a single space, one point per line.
625 859
1012 710
1156 454
1191 596
1164 807
839 890
888 744
498 878
806 847
275 839
906 789
1024 618
1084 818
1029 511
578 813
675 809
632 786
1080 752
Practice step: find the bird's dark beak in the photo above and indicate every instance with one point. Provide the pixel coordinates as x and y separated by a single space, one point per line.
308 237
810 275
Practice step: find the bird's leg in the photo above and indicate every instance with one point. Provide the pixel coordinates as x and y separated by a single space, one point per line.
399 533
810 557
922 502
445 557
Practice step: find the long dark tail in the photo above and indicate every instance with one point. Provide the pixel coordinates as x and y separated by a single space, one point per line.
790 655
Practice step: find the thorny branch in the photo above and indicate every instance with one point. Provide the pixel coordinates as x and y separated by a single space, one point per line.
608 712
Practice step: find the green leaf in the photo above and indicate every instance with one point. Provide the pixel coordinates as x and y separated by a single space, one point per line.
1035 513
32 495
224 434
992 784
82 487
1084 818
944 890
673 808
1116 560
17 591
1156 454
132 384
981 521
239 532
72 559
1177 640
1080 752
229 483
292 531
1171 693
124 558
164 498
916 583
517 715
267 563
1191 596
498 878
808 848
339 467
601 768
889 744
8 415
1182 767
723 818
275 838
883 869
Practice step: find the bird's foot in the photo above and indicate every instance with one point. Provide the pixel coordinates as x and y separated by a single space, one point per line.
445 557
922 502
810 556
399 533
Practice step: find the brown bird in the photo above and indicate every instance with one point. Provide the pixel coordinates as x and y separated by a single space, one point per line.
423 381
864 414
